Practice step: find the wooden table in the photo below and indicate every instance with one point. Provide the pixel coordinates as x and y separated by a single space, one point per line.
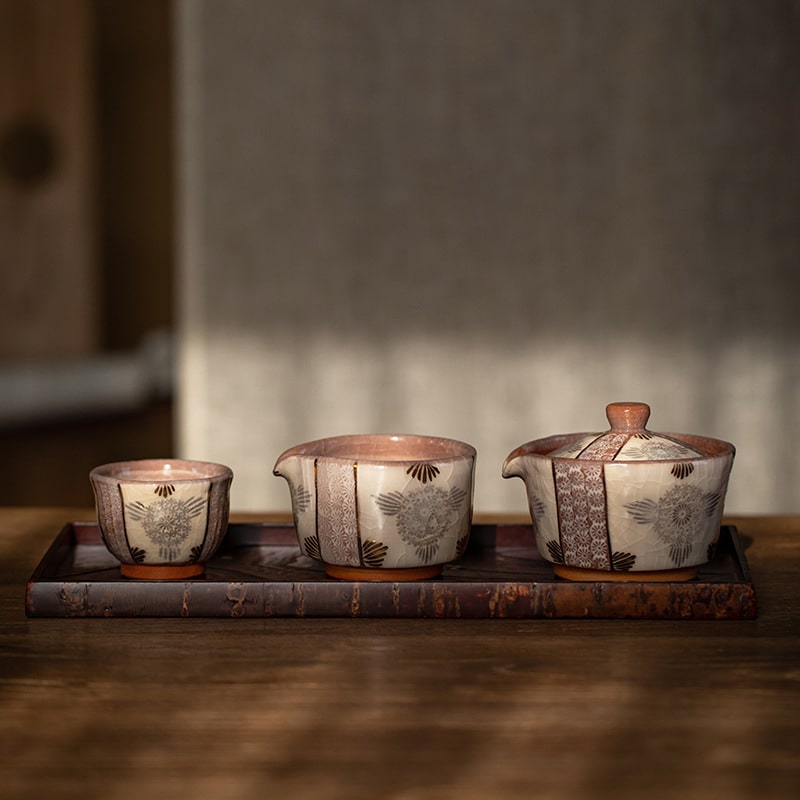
401 709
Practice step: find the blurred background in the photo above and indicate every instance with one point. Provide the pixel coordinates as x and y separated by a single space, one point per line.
228 227
86 241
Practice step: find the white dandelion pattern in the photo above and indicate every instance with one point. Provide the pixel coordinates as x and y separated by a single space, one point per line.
657 450
423 516
167 522
678 518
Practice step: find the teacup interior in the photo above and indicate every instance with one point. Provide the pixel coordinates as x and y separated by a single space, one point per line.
386 447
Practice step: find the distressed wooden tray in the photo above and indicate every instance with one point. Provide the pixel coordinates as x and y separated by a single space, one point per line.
260 572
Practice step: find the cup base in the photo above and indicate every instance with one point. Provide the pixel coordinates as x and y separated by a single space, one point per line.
385 575
162 572
679 574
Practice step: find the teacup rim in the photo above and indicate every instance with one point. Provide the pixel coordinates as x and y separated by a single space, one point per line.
122 470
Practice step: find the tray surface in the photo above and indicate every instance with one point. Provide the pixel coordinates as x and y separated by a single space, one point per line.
260 572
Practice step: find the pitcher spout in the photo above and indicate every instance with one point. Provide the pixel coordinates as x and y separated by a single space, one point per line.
515 465
288 466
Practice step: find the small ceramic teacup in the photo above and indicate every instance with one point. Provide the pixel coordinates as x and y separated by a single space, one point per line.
381 507
162 518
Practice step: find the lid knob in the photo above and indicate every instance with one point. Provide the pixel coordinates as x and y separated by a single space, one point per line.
629 417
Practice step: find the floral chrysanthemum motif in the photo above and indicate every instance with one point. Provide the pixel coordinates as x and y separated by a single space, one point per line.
301 499
165 490
423 471
423 515
536 508
373 553
683 469
678 518
311 547
137 554
555 551
660 450
623 562
167 522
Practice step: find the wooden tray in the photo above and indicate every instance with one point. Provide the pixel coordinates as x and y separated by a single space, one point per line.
260 572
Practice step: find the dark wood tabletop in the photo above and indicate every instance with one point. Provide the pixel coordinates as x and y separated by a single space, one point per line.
401 709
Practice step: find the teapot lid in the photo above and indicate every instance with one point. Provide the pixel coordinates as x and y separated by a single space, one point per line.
628 440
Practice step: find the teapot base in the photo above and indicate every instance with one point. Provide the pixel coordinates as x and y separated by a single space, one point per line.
679 574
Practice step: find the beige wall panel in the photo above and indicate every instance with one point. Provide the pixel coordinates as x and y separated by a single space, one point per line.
486 220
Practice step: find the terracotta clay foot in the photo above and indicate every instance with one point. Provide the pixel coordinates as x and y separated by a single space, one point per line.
656 576
161 572
390 575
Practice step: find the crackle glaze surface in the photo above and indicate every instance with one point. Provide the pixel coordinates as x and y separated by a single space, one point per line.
162 512
381 502
626 500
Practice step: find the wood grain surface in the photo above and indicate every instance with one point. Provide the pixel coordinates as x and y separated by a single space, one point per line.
315 708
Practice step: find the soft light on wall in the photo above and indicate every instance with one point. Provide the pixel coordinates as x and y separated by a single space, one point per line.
448 219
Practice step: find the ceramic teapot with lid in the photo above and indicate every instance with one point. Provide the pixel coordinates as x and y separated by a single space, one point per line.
627 504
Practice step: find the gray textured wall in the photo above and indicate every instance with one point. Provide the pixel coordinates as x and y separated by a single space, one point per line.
486 219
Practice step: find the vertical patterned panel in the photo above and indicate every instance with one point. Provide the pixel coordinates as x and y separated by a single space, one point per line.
110 517
337 520
581 498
